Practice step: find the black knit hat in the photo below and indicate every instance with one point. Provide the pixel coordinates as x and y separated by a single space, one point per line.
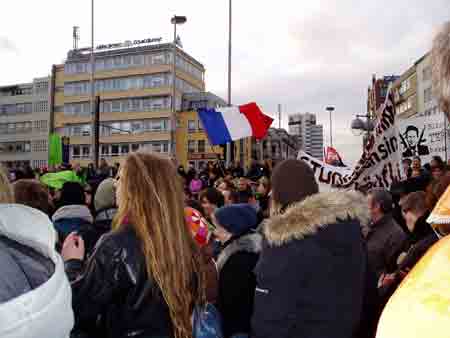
292 181
72 193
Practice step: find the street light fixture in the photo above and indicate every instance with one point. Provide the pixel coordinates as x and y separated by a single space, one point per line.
359 126
330 110
175 20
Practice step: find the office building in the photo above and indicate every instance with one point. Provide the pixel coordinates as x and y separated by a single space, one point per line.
24 124
405 93
376 93
193 147
427 104
134 83
308 132
277 146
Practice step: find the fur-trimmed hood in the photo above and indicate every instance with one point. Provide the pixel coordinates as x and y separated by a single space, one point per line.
314 212
251 243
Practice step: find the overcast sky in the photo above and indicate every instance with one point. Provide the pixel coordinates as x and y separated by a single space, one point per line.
304 55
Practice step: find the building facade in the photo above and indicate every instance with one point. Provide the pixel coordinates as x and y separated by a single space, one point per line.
193 147
308 132
376 93
405 93
277 146
135 88
427 104
24 124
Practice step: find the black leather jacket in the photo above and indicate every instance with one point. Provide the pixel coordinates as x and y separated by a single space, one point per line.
112 295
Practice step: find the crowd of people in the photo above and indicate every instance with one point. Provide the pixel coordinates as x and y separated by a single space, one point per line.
139 250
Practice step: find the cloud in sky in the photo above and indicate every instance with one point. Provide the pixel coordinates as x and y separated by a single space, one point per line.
304 55
7 45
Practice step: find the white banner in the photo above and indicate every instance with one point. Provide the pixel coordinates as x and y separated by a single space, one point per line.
423 136
379 165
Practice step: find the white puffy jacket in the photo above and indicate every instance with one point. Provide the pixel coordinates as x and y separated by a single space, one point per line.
46 311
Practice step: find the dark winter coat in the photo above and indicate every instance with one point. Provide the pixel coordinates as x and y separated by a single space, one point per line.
237 282
114 286
311 276
385 241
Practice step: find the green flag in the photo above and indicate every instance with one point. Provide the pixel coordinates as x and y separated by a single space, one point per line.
57 180
54 150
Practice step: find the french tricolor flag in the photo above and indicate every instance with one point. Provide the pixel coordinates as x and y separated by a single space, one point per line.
228 124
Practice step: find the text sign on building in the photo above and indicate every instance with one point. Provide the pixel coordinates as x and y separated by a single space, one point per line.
128 43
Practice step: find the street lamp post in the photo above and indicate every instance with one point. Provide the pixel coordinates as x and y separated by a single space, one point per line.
330 110
92 82
228 146
176 20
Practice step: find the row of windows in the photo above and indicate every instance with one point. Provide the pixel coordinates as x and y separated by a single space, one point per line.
198 146
128 61
128 83
39 164
39 146
15 147
194 126
122 149
24 108
122 106
118 84
41 87
120 127
405 86
18 108
23 127
18 91
407 105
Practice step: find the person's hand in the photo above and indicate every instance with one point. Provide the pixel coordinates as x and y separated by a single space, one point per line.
73 247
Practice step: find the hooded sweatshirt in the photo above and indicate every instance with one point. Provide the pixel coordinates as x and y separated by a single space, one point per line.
41 305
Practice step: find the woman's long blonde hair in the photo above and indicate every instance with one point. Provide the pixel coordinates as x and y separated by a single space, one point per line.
440 55
152 200
6 191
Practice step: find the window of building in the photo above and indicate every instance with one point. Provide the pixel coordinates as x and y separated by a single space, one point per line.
191 146
200 125
135 147
191 126
86 130
136 126
115 150
125 149
115 106
76 131
76 151
165 146
86 151
104 150
135 104
201 146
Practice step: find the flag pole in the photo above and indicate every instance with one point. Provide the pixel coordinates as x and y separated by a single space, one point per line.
228 152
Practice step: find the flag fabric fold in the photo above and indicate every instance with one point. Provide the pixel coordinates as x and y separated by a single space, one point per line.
228 124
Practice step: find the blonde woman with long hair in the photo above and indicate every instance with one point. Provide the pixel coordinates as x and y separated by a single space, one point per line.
146 276
6 191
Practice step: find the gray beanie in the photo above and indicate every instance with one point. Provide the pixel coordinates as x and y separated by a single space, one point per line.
105 197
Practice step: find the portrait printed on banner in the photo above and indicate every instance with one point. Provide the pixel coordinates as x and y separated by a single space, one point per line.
414 143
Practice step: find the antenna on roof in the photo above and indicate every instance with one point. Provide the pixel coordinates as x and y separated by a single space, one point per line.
76 36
